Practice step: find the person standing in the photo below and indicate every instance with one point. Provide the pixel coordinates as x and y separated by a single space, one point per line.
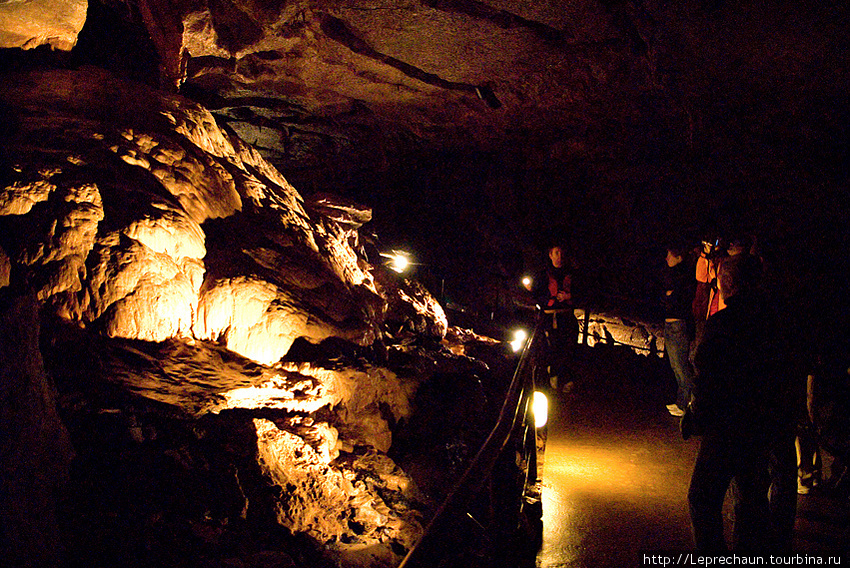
740 409
553 292
705 295
678 293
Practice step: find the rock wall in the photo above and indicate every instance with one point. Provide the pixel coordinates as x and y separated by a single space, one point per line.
132 212
30 23
174 269
645 338
35 449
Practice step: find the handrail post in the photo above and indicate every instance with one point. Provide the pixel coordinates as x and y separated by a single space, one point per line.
586 330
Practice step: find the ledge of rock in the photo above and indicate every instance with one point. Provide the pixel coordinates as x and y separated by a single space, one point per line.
29 23
131 211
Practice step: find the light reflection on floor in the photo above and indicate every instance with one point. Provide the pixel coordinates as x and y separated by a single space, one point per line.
616 474
612 488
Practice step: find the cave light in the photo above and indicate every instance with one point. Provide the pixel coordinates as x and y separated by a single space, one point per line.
526 282
540 409
398 261
518 342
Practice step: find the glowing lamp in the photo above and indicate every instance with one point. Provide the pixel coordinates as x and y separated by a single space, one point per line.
398 261
526 282
519 340
540 409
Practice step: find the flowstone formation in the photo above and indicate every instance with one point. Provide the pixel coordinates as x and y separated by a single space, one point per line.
229 368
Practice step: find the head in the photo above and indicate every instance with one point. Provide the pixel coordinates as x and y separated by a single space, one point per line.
676 253
673 259
737 274
556 256
736 246
710 241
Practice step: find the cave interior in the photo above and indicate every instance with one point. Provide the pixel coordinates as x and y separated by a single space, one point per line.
199 197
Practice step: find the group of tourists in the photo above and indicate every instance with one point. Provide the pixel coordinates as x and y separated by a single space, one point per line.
738 397
729 352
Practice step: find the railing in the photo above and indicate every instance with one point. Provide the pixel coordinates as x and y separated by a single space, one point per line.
514 424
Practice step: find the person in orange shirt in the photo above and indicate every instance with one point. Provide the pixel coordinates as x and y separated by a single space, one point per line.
706 299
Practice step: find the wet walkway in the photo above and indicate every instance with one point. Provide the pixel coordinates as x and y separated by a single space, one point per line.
616 471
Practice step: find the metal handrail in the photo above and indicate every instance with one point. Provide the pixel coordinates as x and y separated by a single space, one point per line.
515 405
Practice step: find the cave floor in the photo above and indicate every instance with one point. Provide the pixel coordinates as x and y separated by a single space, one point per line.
616 472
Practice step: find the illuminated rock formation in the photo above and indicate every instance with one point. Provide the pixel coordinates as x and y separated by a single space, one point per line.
198 312
134 213
30 23
176 268
340 505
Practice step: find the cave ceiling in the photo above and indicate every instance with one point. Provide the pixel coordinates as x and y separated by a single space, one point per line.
319 83
619 115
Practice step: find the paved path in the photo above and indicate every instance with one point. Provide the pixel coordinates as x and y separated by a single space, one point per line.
616 471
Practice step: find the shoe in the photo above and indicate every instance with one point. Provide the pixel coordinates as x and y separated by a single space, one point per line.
674 410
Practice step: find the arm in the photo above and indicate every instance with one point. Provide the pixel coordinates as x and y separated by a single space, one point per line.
702 269
540 290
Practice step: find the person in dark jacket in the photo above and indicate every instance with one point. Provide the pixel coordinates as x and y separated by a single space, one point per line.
742 407
678 292
553 293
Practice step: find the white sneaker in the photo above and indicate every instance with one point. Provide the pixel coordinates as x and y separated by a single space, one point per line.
674 410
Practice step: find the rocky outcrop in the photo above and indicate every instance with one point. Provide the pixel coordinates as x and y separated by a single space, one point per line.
5 269
175 269
30 23
410 310
340 505
645 338
298 445
132 212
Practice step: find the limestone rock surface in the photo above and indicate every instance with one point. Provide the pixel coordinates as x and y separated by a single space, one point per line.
5 269
29 23
644 337
410 309
328 502
133 212
321 434
175 268
35 449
